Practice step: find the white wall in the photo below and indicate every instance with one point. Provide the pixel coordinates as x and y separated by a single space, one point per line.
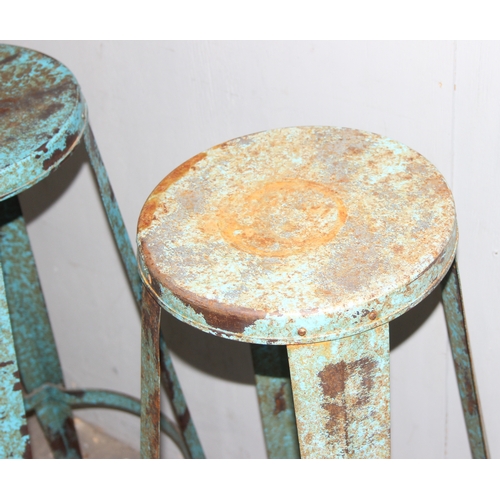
155 104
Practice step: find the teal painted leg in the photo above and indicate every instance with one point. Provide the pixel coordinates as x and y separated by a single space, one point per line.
150 377
33 339
14 437
341 392
272 378
173 389
460 348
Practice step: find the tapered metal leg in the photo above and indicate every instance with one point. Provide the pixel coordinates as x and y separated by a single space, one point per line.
150 377
460 348
341 393
33 339
14 437
274 390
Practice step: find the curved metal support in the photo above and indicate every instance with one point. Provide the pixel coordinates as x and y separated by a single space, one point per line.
78 399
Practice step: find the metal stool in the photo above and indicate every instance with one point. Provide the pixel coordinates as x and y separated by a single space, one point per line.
43 118
313 238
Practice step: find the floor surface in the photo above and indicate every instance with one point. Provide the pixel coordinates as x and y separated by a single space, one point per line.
94 442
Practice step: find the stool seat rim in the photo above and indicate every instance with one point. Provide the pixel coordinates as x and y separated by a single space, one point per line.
399 230
43 115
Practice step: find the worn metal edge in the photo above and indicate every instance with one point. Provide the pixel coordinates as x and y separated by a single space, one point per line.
286 328
21 175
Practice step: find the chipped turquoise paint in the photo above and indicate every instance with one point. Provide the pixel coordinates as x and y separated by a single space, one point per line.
342 231
315 238
172 386
274 390
33 338
283 330
14 438
460 348
341 392
35 88
44 116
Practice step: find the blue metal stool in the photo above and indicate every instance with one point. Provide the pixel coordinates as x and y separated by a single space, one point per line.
43 117
313 238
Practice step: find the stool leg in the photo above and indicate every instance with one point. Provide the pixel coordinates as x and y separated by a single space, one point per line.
460 348
33 339
174 392
341 394
272 378
14 437
150 377
169 377
113 213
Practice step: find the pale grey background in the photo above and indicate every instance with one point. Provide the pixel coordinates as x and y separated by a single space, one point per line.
155 104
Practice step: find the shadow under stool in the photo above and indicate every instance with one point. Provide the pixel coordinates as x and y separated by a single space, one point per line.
313 238
43 117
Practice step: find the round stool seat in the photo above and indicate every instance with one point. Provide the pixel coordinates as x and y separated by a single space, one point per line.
297 235
42 117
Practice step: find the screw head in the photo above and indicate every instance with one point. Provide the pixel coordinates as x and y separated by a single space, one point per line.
372 315
302 331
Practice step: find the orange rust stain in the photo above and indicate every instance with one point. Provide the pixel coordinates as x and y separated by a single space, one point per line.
152 205
279 400
222 145
282 218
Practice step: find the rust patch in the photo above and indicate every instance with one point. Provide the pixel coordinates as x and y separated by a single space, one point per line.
222 316
282 218
279 400
148 212
340 401
59 154
6 363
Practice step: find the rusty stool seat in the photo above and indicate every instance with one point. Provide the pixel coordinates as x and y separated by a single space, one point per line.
313 238
43 117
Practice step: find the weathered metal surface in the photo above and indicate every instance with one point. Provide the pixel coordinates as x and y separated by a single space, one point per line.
150 377
181 411
274 390
169 377
341 391
14 437
42 117
33 338
113 213
460 348
100 399
297 235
